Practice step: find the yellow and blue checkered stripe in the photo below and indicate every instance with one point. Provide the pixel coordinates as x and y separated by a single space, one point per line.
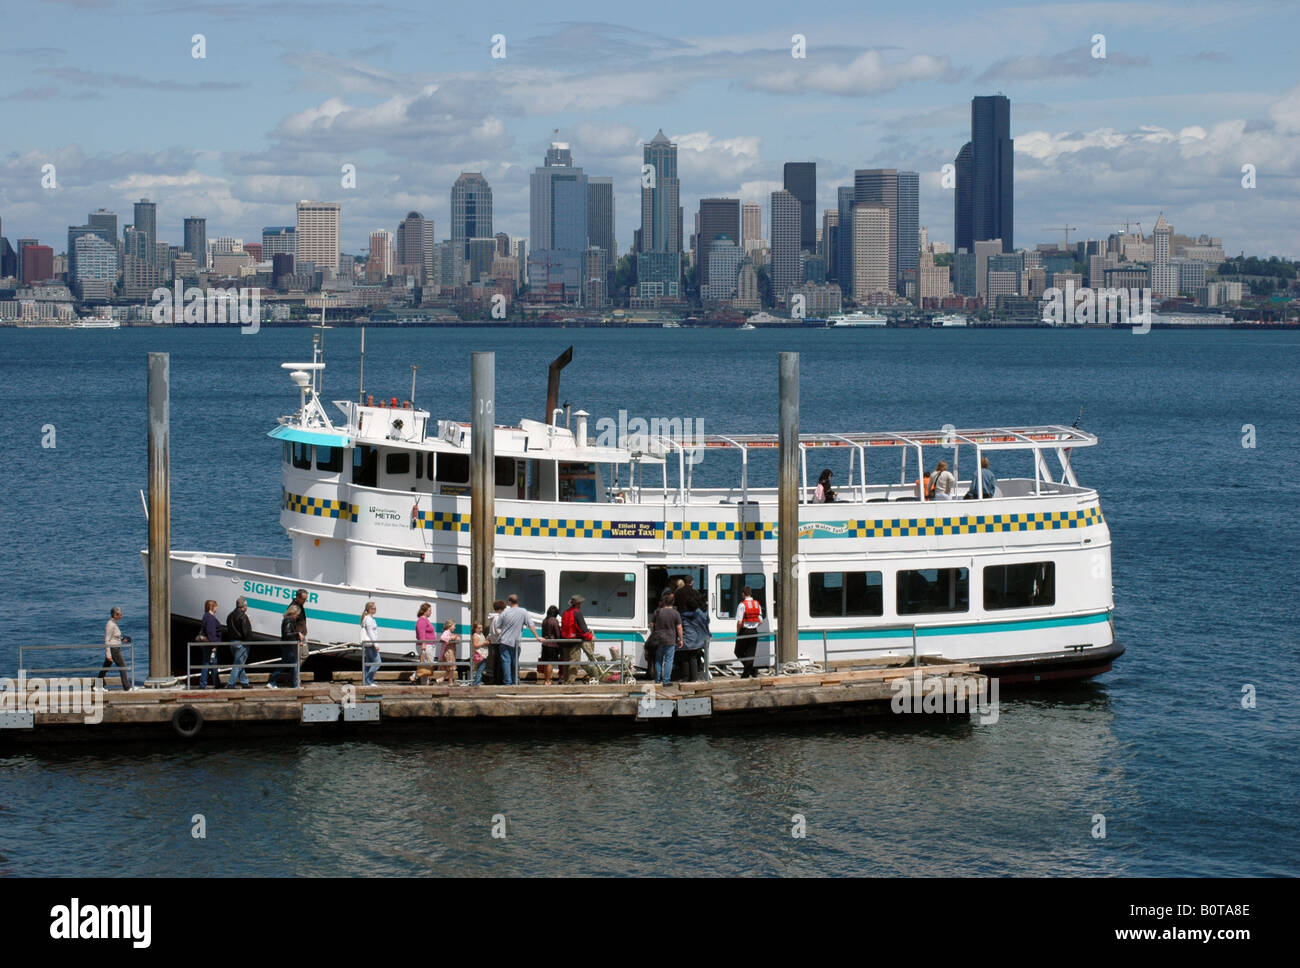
318 507
722 530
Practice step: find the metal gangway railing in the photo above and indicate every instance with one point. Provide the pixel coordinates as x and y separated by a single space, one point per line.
107 667
827 651
599 667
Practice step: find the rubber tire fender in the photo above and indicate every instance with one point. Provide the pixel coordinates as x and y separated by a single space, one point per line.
187 721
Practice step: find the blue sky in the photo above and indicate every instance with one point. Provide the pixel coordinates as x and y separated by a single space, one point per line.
290 91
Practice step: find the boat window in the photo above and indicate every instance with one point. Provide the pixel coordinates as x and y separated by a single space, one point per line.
933 590
419 467
428 465
834 594
453 579
527 583
729 592
365 466
329 459
505 471
578 481
453 468
288 452
398 462
1023 585
302 456
608 594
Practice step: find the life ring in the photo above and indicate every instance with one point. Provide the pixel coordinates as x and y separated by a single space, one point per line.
187 721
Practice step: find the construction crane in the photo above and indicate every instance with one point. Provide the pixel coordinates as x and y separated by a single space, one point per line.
1067 229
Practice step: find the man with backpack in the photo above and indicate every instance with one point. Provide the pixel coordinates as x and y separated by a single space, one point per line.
574 626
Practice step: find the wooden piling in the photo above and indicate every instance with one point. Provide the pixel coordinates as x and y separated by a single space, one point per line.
787 539
482 484
160 599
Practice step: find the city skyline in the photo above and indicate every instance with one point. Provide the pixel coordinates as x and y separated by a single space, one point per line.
1148 128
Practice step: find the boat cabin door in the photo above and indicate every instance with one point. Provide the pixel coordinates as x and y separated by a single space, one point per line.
662 578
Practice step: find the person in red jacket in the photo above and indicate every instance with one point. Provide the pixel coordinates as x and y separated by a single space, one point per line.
749 616
574 626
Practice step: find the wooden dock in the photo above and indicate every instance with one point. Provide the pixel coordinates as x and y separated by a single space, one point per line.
343 707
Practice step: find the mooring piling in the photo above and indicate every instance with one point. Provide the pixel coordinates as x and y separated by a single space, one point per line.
160 518
787 543
482 484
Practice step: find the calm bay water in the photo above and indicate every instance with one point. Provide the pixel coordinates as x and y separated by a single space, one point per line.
1205 540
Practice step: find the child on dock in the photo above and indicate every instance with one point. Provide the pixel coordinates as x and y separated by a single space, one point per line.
479 656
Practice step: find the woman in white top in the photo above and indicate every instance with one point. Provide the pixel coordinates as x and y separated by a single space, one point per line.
370 633
945 485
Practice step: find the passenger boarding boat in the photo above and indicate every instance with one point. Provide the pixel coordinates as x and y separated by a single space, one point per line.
376 501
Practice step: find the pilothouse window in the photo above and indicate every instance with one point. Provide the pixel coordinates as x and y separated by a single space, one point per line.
329 459
397 463
365 466
452 469
302 456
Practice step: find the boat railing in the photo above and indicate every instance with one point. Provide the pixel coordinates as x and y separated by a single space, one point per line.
126 647
827 651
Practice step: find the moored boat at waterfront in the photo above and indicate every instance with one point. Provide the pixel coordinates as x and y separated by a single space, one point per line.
858 318
377 505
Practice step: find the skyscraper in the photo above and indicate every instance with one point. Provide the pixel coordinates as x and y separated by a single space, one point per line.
1164 274
719 217
880 186
600 225
104 224
907 223
873 250
558 222
408 246
471 209
844 255
380 264
962 226
988 188
659 262
786 238
146 223
279 240
751 218
830 242
318 235
196 240
801 182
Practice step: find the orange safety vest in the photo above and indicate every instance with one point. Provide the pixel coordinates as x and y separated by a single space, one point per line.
753 613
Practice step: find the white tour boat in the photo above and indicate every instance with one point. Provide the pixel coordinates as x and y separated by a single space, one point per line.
858 318
950 319
376 503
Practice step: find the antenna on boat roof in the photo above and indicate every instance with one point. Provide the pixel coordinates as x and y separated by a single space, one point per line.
1075 425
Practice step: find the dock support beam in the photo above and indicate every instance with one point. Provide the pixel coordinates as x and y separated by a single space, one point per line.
787 542
482 485
160 520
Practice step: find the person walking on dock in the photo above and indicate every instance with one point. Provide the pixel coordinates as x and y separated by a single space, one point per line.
666 633
370 661
449 649
749 616
289 641
239 630
693 656
113 641
426 644
512 623
494 642
573 626
551 636
479 653
211 634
